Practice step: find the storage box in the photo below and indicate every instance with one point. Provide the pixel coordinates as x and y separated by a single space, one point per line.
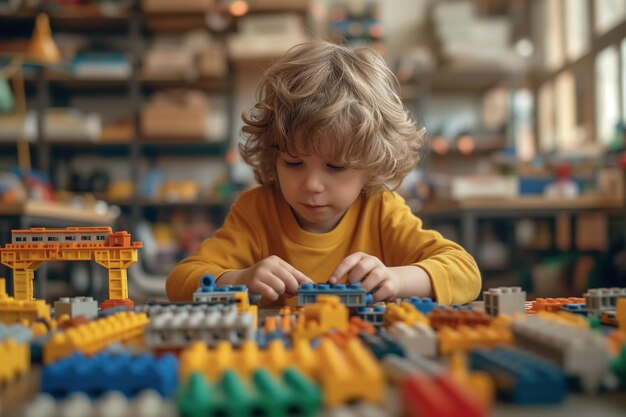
162 6
176 114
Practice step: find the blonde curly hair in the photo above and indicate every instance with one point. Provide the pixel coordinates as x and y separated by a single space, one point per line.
327 91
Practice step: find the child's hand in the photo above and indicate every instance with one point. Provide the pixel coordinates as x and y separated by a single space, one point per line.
373 275
272 277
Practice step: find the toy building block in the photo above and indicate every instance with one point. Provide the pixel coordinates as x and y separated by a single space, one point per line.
477 382
15 360
424 304
565 318
351 295
348 374
381 344
504 300
620 314
444 317
112 403
372 314
76 306
602 299
582 354
465 338
404 312
418 339
213 362
554 304
329 313
30 248
521 378
12 310
426 390
355 328
575 308
94 336
177 328
263 394
210 292
15 331
103 372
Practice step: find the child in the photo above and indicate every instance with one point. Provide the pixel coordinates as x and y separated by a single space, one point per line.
326 138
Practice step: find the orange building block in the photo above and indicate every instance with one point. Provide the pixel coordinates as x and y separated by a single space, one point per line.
444 317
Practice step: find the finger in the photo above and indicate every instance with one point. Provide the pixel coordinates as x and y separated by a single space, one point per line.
265 291
345 266
291 284
362 269
269 278
299 276
373 280
384 292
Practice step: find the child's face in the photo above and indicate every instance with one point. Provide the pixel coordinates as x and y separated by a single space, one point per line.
318 189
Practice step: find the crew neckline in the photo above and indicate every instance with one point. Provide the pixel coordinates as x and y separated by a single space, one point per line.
318 240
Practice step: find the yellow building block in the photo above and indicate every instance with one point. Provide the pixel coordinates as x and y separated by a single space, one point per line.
276 358
405 313
565 318
12 310
93 336
348 374
620 314
465 338
329 313
14 360
478 383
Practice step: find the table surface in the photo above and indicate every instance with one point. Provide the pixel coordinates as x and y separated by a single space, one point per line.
57 210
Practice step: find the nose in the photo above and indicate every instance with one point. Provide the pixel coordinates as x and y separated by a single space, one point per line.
313 182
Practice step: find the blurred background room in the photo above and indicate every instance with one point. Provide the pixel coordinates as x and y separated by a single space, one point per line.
127 113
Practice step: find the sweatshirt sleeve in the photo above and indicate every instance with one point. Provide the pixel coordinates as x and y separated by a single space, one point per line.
236 245
453 271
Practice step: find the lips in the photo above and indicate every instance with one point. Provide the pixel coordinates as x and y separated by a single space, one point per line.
313 206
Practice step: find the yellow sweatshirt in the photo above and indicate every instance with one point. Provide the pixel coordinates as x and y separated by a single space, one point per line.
261 223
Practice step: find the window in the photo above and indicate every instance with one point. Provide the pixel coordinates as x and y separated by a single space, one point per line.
100 237
608 14
37 239
70 238
623 78
53 239
576 28
84 238
553 40
607 95
565 112
547 131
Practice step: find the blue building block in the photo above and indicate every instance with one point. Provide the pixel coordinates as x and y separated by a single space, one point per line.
106 371
207 284
372 315
210 292
15 331
423 304
351 295
578 308
263 339
520 377
381 344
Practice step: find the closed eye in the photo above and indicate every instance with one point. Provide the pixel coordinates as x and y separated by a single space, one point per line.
293 164
335 167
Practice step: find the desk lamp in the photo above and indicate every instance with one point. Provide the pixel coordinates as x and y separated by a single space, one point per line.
41 51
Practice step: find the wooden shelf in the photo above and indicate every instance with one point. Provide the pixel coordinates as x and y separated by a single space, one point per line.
147 203
527 204
56 210
454 80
